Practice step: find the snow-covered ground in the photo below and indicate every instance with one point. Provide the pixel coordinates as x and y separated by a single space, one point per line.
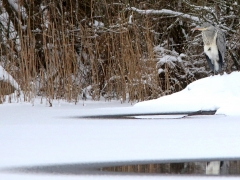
40 135
220 92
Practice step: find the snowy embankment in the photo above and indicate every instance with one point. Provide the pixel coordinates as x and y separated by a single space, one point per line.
219 92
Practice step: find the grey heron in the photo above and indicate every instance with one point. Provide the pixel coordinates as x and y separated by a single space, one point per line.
214 45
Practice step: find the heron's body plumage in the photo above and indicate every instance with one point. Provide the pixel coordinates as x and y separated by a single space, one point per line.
211 50
214 46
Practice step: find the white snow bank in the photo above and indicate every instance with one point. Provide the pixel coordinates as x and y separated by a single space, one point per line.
5 76
219 92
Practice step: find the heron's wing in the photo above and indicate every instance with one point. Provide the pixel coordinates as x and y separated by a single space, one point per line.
209 62
221 44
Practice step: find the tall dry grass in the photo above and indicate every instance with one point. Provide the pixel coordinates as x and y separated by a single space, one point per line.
66 58
46 62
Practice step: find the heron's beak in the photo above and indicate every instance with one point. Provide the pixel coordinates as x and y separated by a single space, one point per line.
199 29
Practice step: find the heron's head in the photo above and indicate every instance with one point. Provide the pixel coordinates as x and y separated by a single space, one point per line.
205 26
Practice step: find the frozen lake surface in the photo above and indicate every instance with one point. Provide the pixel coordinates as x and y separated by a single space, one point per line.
40 136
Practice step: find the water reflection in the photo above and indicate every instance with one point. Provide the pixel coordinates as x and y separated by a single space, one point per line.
193 168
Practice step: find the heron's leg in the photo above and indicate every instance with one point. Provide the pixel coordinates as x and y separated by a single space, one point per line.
214 72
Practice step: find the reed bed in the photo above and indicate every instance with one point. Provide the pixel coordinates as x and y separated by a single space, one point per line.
62 57
74 50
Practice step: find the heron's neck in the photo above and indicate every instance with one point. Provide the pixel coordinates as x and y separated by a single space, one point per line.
209 37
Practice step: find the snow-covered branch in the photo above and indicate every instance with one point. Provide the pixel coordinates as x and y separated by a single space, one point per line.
14 5
209 9
17 8
166 12
200 8
5 76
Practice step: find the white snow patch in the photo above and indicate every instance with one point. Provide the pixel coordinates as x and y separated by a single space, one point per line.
5 76
130 19
98 24
219 92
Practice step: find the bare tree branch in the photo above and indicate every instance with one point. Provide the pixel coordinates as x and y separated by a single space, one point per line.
166 12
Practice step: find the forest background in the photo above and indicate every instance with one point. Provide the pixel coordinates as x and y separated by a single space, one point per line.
129 50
